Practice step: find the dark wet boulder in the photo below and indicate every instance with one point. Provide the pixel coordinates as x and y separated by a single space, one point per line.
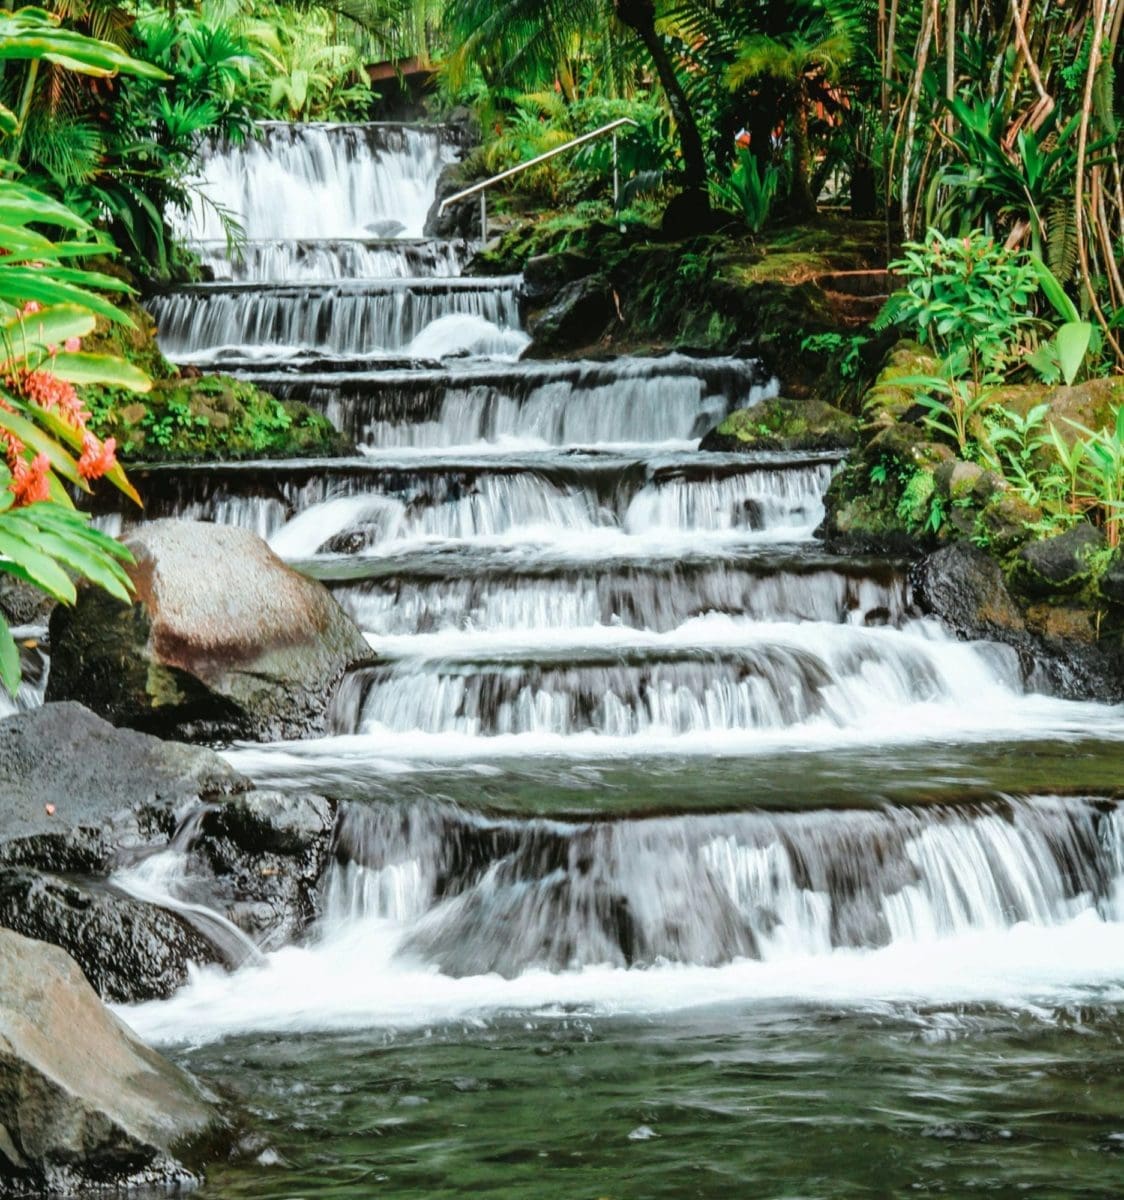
545 275
1112 581
580 314
84 1104
74 790
782 424
965 588
1059 563
127 949
1059 648
224 640
267 852
460 220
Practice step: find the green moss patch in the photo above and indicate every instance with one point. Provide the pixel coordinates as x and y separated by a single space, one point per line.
210 417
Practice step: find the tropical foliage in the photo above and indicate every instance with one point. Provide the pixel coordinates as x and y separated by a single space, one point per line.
48 304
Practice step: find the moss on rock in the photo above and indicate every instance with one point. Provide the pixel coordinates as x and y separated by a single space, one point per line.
188 416
718 293
209 417
783 424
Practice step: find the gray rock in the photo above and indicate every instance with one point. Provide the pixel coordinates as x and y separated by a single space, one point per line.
964 481
580 315
267 852
966 589
224 640
22 604
127 950
84 1104
545 275
74 790
460 220
273 822
1060 562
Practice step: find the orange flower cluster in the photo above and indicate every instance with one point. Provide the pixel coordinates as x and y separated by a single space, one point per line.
31 473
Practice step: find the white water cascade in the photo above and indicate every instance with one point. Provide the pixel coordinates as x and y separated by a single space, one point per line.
638 651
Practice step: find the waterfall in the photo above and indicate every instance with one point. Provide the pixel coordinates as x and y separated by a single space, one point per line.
574 611
365 320
630 402
321 181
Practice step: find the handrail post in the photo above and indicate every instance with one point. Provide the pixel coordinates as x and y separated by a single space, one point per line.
482 187
483 217
616 182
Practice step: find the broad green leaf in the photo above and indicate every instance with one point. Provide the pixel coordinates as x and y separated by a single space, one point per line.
41 569
26 283
1055 293
49 327
87 560
99 368
9 657
1072 342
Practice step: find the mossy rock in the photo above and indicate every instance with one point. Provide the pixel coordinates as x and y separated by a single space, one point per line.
718 293
909 445
1005 522
1058 564
209 417
782 424
1092 404
888 401
967 482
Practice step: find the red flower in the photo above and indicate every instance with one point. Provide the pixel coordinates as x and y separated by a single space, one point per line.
97 457
50 392
29 480
13 448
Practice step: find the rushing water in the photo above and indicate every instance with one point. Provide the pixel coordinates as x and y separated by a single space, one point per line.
674 855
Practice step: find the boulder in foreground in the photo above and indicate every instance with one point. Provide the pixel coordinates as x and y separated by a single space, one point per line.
224 640
84 1104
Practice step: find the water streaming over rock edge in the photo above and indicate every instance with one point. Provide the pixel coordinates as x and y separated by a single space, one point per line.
632 610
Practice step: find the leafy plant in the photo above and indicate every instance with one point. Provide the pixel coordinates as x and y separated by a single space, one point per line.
1010 444
1021 180
833 343
1100 474
1066 352
46 308
748 190
952 406
966 297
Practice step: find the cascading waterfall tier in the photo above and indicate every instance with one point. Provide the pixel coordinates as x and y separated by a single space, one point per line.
485 595
365 318
297 182
378 505
471 895
330 258
639 402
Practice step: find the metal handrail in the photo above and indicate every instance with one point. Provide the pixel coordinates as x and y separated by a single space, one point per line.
483 186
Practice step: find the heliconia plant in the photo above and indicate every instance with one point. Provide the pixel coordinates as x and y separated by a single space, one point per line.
47 306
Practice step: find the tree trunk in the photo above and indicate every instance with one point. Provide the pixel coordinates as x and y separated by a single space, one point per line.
803 202
640 17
